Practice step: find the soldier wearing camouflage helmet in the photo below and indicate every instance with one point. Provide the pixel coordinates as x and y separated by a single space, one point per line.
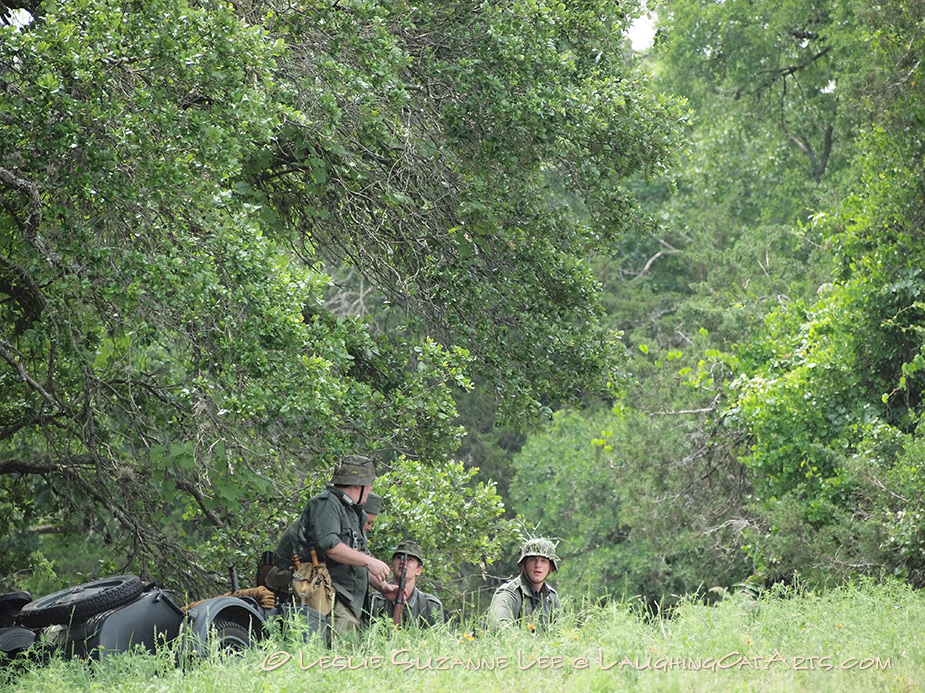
527 598
419 608
332 525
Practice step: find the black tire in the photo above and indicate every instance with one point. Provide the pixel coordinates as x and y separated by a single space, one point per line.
13 640
10 606
231 635
77 604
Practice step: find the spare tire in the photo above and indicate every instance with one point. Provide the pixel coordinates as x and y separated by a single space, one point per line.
231 635
77 604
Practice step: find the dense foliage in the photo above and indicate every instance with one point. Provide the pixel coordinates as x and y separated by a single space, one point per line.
774 317
241 241
832 395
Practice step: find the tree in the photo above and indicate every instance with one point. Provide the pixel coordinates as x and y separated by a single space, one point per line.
832 393
777 64
776 312
637 513
183 182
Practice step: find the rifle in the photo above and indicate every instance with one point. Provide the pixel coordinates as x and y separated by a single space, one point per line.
400 599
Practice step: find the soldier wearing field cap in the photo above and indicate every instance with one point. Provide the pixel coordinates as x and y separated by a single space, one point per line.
332 525
418 608
527 599
373 507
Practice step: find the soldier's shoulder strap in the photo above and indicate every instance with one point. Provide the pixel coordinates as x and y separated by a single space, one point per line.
432 599
512 585
426 602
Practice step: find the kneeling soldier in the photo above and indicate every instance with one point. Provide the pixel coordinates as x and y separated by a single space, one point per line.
417 607
527 596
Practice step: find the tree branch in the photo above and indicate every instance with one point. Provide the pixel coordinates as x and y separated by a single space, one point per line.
200 499
22 288
32 222
30 226
44 466
8 353
793 69
648 264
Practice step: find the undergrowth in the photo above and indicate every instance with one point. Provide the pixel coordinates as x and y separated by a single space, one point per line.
860 637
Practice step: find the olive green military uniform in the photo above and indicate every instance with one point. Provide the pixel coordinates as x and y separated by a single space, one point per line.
330 518
517 601
420 609
286 547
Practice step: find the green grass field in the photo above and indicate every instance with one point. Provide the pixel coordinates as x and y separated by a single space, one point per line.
863 637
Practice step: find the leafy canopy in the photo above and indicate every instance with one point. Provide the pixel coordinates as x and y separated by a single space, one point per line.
184 183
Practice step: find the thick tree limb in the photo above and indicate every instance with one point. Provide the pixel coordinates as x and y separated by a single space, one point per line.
200 499
30 225
21 287
818 163
34 219
44 466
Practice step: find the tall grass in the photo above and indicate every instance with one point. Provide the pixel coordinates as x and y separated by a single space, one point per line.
861 637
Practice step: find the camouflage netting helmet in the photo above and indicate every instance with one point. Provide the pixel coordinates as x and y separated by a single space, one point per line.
544 548
410 547
373 504
354 470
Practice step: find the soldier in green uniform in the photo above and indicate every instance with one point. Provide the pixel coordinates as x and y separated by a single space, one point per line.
420 608
333 525
527 599
373 507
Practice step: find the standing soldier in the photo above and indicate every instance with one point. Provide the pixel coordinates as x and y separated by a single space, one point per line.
527 597
332 525
418 608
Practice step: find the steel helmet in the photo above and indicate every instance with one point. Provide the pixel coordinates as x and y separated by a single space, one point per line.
544 548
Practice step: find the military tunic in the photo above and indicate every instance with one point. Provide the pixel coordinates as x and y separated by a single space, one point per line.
516 599
420 608
330 518
282 557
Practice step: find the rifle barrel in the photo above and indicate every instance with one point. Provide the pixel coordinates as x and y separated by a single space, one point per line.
400 599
